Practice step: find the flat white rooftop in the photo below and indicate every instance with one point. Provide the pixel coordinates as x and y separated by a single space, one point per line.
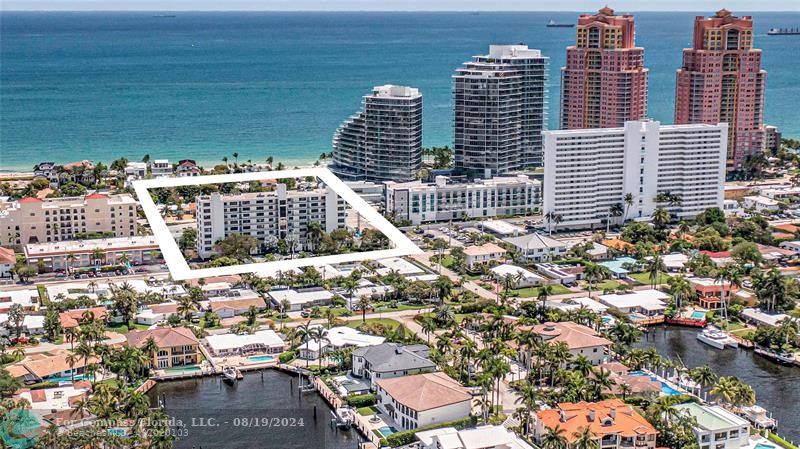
226 342
647 299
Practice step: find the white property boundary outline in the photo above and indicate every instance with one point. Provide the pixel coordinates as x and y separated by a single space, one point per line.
179 268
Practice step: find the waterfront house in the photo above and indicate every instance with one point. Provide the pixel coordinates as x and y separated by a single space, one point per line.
757 317
708 291
51 366
422 400
337 338
649 303
483 437
160 168
60 398
614 424
390 360
260 342
177 346
187 167
716 427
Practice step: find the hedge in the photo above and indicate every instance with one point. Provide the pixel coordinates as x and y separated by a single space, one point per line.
361 400
286 357
407 436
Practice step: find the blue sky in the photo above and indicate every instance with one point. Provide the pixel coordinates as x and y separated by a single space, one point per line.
401 5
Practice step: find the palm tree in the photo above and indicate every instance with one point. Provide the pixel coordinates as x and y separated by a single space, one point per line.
554 438
660 218
70 261
528 397
585 439
680 289
235 159
544 292
97 255
186 306
655 267
225 160
703 375
594 272
628 200
428 327
363 304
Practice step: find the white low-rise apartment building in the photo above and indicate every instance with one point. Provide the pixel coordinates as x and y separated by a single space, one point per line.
716 427
64 255
522 277
136 170
267 216
423 400
448 199
589 171
302 298
34 220
761 204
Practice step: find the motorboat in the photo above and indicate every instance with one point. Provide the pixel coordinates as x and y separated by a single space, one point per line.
783 357
685 382
344 417
230 374
716 338
759 417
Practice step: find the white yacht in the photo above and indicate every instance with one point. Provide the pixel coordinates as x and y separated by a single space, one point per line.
759 417
716 338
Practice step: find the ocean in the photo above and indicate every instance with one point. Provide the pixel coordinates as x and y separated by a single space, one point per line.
201 85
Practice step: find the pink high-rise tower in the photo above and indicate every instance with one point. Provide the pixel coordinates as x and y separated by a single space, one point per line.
722 81
604 83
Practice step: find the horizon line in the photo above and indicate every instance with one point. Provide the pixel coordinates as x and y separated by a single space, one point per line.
375 10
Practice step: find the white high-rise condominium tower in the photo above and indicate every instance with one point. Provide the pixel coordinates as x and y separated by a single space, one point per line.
589 172
500 111
383 141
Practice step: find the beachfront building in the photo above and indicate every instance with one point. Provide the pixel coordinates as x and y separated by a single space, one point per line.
522 277
390 360
337 338
259 342
772 138
160 168
422 400
716 427
604 81
177 346
537 247
71 254
187 167
588 172
614 424
482 437
34 220
721 80
46 170
267 216
487 252
301 298
452 199
383 141
580 339
500 104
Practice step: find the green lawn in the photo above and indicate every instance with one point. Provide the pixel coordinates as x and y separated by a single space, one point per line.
367 411
533 292
384 307
387 322
124 329
644 278
609 284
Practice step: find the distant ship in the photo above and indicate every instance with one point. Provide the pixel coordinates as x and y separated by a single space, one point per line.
553 24
782 31
164 16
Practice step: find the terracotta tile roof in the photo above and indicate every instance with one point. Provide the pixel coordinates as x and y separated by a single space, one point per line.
165 337
788 227
30 199
7 256
47 364
72 318
576 336
716 254
237 304
169 307
96 196
38 396
425 391
611 416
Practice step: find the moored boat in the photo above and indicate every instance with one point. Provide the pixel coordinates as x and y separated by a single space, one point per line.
344 417
716 338
230 374
759 417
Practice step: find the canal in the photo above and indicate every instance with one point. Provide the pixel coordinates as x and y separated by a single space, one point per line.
265 410
777 387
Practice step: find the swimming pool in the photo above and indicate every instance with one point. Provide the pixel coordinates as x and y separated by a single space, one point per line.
261 358
666 389
387 430
69 378
698 315
764 446
181 369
